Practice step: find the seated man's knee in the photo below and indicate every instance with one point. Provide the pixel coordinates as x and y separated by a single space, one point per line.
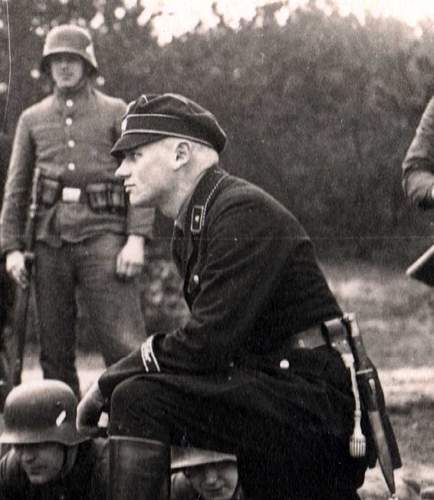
135 408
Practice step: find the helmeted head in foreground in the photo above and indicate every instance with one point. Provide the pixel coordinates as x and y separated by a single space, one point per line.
41 411
39 423
212 474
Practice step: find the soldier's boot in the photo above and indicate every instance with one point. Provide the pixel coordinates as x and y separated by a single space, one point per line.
139 469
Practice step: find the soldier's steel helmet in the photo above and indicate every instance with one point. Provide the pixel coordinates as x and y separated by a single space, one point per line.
182 458
69 39
41 411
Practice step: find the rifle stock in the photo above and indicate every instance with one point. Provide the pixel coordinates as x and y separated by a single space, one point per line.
22 295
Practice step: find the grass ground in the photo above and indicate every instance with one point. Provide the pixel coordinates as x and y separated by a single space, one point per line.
395 313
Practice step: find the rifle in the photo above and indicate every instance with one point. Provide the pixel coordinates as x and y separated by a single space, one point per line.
422 268
22 295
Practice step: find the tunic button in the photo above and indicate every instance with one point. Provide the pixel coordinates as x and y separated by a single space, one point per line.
231 364
284 364
196 279
71 166
68 121
71 143
70 103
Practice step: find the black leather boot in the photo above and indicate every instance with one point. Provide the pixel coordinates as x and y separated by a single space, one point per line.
139 469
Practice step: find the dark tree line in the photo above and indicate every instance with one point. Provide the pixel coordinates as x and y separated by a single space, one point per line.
319 111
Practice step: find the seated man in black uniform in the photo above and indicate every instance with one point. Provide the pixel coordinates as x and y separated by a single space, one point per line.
251 372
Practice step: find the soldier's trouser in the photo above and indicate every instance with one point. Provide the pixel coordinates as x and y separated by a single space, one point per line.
113 306
139 469
283 453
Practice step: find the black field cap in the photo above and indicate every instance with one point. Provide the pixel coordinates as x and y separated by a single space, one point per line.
151 118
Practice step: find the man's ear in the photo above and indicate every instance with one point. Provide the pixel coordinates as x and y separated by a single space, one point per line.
182 153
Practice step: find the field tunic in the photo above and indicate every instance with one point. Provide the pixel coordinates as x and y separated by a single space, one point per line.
69 139
87 480
252 282
228 380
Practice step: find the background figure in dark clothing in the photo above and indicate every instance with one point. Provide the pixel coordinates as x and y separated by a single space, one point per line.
6 283
49 459
250 373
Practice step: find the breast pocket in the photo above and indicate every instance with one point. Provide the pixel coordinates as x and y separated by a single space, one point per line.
48 138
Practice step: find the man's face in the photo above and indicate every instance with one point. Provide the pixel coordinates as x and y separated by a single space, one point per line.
146 174
42 462
67 70
215 481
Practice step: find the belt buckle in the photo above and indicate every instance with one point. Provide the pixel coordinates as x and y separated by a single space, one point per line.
71 195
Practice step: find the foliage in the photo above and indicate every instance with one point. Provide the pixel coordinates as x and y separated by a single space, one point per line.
319 110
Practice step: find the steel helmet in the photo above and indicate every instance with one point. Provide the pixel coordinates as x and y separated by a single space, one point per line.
41 411
70 39
182 458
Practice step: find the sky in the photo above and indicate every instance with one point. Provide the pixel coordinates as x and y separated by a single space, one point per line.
181 16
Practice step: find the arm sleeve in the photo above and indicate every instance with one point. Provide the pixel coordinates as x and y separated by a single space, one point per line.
418 165
17 189
247 247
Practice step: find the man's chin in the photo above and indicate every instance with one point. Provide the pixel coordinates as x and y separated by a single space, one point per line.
139 201
38 478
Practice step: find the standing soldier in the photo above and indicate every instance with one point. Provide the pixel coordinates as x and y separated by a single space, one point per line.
87 237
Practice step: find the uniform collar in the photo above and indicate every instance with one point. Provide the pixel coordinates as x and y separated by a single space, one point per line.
75 101
181 218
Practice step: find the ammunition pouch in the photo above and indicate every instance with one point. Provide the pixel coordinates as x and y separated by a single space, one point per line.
50 191
106 197
101 197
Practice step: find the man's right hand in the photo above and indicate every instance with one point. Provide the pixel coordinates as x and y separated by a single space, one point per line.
89 412
16 268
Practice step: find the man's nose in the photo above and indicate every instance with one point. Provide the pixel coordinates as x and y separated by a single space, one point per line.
211 475
122 170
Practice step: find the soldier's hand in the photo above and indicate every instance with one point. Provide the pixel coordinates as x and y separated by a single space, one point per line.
89 411
16 268
131 258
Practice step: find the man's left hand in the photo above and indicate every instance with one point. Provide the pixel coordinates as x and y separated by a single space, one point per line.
89 412
131 258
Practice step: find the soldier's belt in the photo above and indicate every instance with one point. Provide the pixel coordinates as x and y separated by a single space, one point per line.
99 196
307 339
72 195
